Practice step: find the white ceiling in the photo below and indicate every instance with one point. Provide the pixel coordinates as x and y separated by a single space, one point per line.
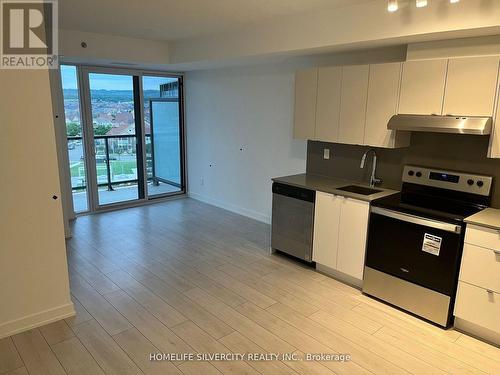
180 19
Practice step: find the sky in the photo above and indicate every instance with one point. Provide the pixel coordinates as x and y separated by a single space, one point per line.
109 81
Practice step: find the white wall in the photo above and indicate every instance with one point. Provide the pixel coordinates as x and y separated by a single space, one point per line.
34 287
248 108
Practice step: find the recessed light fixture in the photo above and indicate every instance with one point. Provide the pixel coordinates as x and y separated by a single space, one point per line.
420 3
454 1
392 5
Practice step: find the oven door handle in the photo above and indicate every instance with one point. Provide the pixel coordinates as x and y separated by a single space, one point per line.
418 220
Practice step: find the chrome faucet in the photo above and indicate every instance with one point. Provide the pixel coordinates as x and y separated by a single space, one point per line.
373 180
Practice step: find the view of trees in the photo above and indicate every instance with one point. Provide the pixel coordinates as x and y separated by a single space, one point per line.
101 129
73 129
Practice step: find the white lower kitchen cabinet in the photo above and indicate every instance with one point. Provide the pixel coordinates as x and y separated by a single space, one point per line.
477 312
477 306
326 229
340 230
353 229
481 267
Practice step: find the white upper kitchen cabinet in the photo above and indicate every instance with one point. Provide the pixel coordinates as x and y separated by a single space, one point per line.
382 103
353 104
422 87
306 87
326 229
353 229
328 103
471 86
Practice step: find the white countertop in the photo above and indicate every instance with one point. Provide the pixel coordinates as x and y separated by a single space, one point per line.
489 218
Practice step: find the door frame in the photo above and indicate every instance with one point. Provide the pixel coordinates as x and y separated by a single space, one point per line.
182 132
83 71
181 144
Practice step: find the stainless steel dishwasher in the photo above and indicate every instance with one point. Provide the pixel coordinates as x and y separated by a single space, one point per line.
293 220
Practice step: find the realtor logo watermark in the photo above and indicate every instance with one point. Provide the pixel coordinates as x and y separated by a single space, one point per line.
29 34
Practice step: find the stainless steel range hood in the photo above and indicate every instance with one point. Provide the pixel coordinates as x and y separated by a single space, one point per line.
441 124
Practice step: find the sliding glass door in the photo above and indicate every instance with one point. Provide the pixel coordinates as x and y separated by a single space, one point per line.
114 132
130 136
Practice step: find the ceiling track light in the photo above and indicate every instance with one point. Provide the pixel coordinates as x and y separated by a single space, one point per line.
392 5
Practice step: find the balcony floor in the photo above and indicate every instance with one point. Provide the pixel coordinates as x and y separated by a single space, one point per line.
119 194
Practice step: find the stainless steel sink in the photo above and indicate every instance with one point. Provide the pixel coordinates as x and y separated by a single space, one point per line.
359 190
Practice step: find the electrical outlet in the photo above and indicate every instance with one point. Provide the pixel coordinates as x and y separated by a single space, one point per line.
326 153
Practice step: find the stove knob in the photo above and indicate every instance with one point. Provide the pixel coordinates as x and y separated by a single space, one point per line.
411 173
470 181
418 174
480 183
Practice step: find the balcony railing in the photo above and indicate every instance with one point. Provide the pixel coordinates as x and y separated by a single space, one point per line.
115 152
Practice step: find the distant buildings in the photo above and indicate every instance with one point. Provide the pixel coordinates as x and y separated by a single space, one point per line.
169 90
117 113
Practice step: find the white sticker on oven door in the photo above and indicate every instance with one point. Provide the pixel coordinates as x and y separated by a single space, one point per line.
432 244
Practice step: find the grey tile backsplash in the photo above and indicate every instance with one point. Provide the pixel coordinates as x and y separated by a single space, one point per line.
448 151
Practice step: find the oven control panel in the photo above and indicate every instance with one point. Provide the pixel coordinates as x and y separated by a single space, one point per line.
452 180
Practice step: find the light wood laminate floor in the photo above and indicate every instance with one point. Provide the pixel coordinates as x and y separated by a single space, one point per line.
183 276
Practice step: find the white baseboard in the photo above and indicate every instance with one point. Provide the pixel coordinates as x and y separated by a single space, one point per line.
36 320
231 207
